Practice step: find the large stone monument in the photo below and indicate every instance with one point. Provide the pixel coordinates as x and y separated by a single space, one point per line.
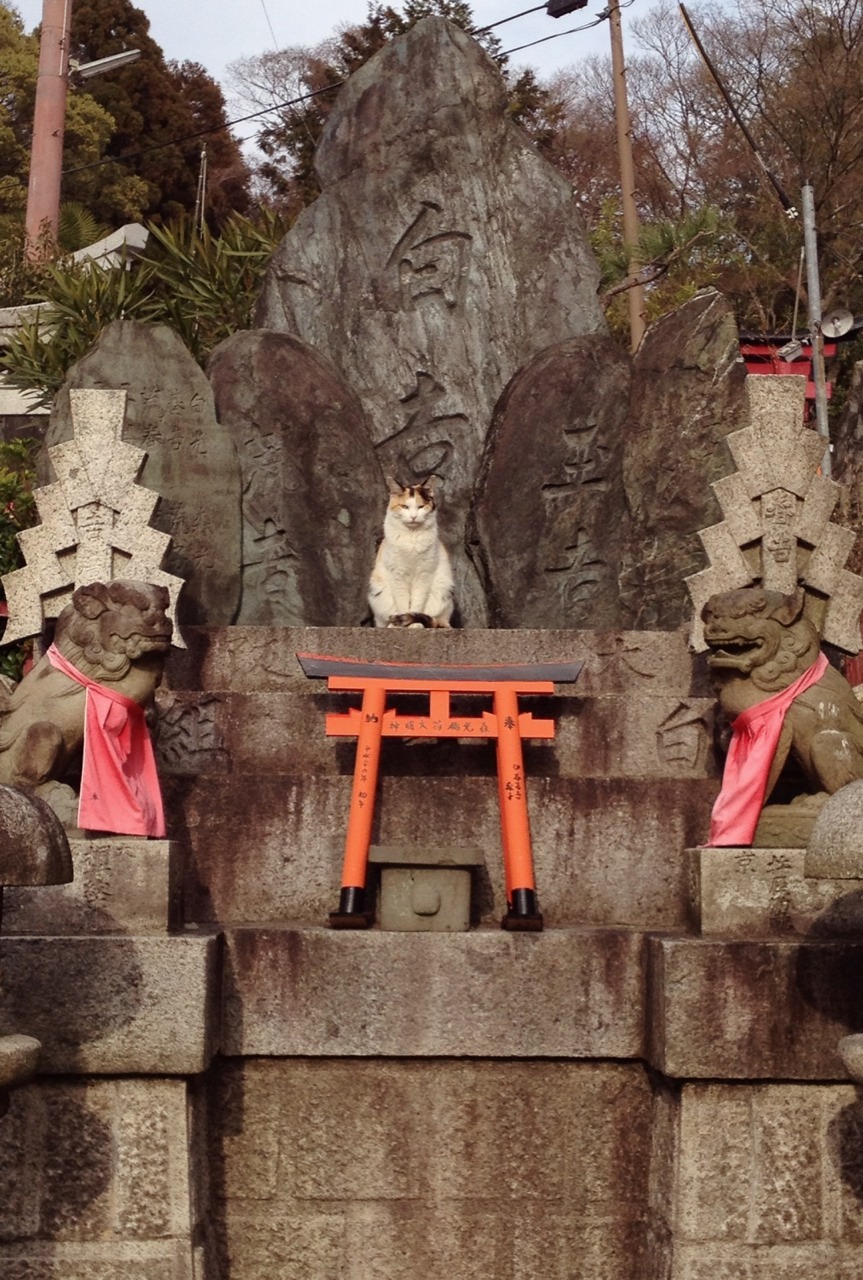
442 254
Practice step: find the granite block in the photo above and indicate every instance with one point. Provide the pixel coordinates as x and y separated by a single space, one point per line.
319 992
114 1005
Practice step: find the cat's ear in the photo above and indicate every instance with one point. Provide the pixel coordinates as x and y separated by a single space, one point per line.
393 485
429 483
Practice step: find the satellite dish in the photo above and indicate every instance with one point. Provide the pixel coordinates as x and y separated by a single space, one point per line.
837 323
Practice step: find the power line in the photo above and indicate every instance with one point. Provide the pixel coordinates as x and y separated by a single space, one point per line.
314 93
203 133
491 26
269 24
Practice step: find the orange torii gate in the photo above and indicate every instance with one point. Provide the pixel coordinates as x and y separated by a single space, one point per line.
374 720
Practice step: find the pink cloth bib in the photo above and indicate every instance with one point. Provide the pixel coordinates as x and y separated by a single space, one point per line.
119 784
754 738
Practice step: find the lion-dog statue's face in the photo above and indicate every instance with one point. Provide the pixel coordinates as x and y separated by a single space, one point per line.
760 634
112 626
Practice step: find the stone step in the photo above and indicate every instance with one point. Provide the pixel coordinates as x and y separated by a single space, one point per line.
263 659
651 735
607 852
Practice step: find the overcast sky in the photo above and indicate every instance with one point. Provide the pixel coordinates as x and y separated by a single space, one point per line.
216 34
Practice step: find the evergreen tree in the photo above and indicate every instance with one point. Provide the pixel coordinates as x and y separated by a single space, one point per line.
152 104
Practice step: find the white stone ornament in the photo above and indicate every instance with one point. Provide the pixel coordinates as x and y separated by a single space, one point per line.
94 520
777 529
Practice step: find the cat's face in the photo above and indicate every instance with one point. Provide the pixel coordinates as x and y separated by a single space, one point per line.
412 505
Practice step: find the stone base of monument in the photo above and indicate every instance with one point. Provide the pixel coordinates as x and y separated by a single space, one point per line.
122 884
789 826
425 889
752 893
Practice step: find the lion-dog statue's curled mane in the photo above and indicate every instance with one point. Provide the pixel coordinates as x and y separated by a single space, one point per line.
117 633
760 642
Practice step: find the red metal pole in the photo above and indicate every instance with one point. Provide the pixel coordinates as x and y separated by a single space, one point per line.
352 913
514 822
49 122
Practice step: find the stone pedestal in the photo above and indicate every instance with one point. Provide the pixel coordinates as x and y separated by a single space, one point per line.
425 889
122 884
757 893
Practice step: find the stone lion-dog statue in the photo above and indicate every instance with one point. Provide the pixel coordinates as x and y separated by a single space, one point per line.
115 633
760 643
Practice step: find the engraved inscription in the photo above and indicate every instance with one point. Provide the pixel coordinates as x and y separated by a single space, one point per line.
431 260
428 443
778 516
578 571
187 737
682 738
586 461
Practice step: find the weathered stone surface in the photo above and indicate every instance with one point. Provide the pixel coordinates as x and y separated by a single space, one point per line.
443 253
548 508
756 893
325 992
121 885
19 1056
768 1183
33 844
739 1010
191 461
405 1169
263 659
313 490
114 1005
94 1182
607 853
836 845
850 1050
649 736
687 397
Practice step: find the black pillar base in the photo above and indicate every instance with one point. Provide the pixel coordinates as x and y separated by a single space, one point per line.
351 913
522 914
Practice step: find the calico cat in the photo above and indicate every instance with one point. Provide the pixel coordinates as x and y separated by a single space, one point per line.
412 583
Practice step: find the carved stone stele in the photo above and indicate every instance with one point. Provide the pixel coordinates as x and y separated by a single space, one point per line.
546 520
311 481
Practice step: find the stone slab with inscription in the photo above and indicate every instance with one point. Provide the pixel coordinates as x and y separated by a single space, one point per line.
750 893
442 254
121 885
549 507
687 396
191 461
313 490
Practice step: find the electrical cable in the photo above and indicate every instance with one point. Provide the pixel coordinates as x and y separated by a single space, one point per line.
269 24
491 26
314 93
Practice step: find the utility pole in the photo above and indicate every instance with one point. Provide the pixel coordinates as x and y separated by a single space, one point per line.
627 176
49 123
813 289
557 9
